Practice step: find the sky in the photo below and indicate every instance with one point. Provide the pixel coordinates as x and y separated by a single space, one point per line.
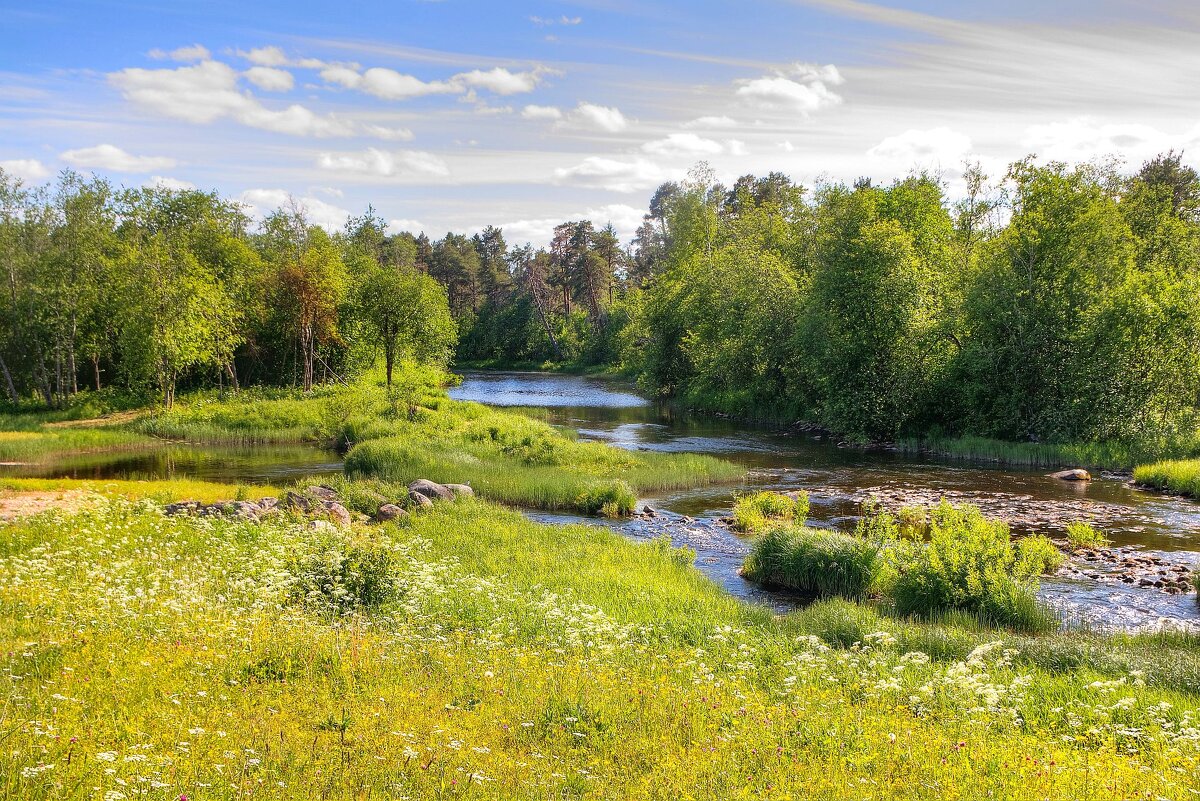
451 115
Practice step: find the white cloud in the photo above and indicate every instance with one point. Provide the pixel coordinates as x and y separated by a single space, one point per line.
374 161
270 78
502 82
28 170
261 202
802 88
1084 138
173 184
208 92
914 145
403 225
272 56
712 122
544 22
539 231
541 113
618 176
684 144
388 133
111 157
596 117
194 52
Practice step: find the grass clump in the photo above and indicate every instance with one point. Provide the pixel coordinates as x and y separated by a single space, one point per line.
1110 454
346 578
1181 476
752 513
970 564
1083 535
813 561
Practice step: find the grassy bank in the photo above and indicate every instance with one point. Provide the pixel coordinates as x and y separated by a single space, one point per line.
496 658
1095 455
417 431
1181 476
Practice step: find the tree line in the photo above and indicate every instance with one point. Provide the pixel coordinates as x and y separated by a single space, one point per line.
1060 302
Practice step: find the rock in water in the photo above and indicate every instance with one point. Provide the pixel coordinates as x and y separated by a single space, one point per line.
388 512
1072 475
431 490
460 490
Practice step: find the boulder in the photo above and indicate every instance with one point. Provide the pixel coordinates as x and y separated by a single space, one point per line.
1072 475
182 508
388 512
243 510
417 499
324 493
337 513
296 501
268 503
460 490
431 490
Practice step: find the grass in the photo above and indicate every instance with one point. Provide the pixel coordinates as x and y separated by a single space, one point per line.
1096 455
164 491
1083 535
813 561
484 656
1182 477
46 443
752 513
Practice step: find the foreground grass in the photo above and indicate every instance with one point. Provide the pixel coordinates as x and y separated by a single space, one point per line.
157 657
1182 476
164 491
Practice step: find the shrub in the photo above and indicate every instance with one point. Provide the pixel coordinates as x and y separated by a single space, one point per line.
610 498
346 579
1038 556
970 564
1082 535
813 561
752 513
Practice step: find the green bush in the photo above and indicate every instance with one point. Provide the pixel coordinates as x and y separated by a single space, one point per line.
346 579
752 513
1082 535
610 499
1038 556
970 564
813 561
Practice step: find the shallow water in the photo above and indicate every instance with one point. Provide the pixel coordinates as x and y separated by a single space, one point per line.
839 479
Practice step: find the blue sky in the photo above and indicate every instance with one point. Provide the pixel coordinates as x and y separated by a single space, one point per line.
456 114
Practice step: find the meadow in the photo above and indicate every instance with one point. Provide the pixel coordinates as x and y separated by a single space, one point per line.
154 657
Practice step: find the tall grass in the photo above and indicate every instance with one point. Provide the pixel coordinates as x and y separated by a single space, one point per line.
1182 477
752 513
813 561
1108 455
42 444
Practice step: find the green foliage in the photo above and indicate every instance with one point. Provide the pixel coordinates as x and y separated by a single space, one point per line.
752 513
970 564
346 578
813 561
1037 555
1181 476
1083 535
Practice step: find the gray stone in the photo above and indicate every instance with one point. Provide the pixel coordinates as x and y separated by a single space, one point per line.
388 512
431 490
1072 475
324 493
417 499
294 500
460 490
337 513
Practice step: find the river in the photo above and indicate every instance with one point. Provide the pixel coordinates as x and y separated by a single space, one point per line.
1143 526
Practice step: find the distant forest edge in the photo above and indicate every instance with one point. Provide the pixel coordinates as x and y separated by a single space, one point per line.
1059 303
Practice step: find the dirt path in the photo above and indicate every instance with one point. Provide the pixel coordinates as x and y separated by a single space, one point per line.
116 418
14 505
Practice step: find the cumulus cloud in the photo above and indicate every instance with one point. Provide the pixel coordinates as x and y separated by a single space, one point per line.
1085 138
615 175
209 91
403 225
111 157
389 84
271 79
539 231
28 170
712 122
803 88
261 202
174 184
384 163
595 117
684 144
541 113
272 56
194 52
922 145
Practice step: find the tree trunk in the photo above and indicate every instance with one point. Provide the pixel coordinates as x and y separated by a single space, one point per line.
96 370
232 373
8 381
389 358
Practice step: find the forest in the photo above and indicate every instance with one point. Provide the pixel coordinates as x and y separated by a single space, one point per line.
1057 303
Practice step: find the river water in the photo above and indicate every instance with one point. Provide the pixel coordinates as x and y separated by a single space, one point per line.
1143 526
